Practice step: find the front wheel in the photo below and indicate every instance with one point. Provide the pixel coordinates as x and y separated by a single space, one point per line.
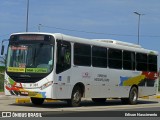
37 101
75 97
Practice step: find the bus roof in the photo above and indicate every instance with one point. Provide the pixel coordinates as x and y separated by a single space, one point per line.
109 43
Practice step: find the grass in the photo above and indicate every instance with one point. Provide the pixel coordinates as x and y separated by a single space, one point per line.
2 69
1 90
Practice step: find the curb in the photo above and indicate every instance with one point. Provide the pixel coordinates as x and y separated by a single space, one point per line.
145 97
20 100
23 100
27 100
151 97
158 96
1 93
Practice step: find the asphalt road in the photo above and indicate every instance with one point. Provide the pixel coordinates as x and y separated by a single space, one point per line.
112 108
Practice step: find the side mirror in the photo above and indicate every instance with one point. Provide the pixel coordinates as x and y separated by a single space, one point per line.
2 50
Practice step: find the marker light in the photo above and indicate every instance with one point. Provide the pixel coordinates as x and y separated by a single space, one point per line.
46 85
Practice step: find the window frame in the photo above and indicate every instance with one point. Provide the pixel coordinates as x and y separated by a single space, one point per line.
153 67
141 64
81 58
131 61
102 60
117 62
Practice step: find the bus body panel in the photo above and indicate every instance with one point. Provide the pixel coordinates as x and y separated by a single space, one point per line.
63 85
103 83
147 91
30 89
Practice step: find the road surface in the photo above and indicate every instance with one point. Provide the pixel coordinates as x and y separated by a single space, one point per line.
88 108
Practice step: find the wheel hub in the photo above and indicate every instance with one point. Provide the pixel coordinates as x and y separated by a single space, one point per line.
76 97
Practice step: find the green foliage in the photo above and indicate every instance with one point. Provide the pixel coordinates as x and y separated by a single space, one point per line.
1 82
2 69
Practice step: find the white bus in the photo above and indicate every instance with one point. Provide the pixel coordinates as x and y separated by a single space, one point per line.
57 66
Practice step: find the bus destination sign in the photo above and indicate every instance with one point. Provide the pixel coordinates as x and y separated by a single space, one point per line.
31 37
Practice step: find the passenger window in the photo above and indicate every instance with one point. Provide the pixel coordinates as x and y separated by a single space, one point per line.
99 57
63 56
152 63
115 58
128 60
141 61
82 54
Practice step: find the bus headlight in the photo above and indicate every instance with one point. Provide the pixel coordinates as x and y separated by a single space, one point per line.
46 85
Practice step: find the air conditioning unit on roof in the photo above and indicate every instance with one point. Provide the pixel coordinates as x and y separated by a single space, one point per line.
119 43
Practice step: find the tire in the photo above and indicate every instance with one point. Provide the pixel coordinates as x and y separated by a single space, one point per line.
133 96
75 97
99 100
37 101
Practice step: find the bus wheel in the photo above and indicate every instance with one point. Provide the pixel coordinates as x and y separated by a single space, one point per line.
75 98
37 101
99 100
133 96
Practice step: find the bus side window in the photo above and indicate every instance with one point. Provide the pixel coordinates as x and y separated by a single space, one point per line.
63 56
115 58
141 60
152 63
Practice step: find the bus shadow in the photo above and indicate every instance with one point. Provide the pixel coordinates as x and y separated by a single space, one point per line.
88 103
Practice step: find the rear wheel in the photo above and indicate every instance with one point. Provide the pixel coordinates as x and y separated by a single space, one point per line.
133 97
37 101
99 100
75 97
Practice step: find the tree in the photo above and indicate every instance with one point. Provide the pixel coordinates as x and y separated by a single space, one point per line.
3 60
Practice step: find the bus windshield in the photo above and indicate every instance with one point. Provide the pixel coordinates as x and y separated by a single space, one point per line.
30 58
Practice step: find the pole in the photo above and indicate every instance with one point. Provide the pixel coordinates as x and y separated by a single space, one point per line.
27 15
139 27
139 18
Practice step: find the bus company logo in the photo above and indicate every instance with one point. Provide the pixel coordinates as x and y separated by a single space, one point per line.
86 75
6 114
60 78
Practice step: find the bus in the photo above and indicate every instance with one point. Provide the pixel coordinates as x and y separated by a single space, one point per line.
62 67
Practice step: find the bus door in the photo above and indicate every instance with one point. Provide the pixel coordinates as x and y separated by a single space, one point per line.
63 70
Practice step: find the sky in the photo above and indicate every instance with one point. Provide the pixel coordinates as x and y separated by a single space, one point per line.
93 19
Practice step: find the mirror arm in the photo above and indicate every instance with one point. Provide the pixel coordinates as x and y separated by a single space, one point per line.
2 46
